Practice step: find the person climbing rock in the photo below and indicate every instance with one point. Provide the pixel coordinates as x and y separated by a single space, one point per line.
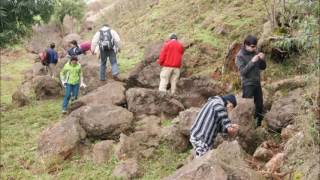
170 59
108 41
74 49
250 62
212 119
70 76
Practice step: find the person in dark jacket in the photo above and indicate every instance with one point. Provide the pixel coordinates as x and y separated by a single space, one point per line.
250 62
212 119
170 59
75 50
52 60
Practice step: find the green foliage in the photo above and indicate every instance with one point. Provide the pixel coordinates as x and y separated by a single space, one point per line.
303 41
73 8
18 16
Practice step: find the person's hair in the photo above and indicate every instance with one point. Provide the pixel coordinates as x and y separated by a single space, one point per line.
52 45
74 58
250 40
105 25
74 42
173 36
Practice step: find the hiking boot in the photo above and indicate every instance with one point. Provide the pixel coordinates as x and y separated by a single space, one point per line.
257 122
64 112
116 78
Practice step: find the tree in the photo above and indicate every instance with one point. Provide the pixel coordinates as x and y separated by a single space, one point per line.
17 17
73 8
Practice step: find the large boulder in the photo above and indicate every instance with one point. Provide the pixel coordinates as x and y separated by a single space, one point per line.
147 72
142 142
111 93
186 119
225 162
249 137
284 110
152 102
46 88
61 139
104 121
194 91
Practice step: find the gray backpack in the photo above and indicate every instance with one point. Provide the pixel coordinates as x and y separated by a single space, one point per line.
106 41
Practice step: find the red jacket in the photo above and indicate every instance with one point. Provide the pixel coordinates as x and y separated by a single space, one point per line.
171 54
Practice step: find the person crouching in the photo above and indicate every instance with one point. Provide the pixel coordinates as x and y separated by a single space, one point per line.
212 119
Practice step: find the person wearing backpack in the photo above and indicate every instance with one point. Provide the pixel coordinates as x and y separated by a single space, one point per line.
71 76
52 60
170 59
108 41
75 50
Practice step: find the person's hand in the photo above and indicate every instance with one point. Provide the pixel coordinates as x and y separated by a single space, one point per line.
233 130
83 85
64 84
261 55
255 58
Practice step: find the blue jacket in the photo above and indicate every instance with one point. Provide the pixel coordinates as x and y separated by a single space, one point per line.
52 56
74 51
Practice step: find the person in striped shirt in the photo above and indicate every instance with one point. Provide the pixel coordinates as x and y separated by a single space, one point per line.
212 119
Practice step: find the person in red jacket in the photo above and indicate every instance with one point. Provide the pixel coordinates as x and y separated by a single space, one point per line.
170 59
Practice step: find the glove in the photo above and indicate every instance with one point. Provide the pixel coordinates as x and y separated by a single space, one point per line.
64 83
83 85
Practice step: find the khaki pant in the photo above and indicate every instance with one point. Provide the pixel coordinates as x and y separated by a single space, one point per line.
52 70
169 74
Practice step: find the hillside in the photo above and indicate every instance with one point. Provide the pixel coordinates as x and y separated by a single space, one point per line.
127 130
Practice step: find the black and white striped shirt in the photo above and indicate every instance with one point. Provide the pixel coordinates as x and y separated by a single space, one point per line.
212 119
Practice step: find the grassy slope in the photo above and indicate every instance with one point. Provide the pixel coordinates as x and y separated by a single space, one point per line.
192 20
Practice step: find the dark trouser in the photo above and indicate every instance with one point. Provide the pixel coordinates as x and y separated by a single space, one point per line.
104 55
255 91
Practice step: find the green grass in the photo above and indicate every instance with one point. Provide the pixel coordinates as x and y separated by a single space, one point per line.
126 63
12 70
164 163
20 128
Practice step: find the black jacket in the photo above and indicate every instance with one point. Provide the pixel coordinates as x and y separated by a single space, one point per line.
249 71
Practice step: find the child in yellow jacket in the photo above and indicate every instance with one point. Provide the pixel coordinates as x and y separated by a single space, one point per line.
71 76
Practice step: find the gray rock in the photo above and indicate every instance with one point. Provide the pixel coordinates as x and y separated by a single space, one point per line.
46 88
225 162
186 119
284 110
102 151
195 90
61 139
104 121
111 93
152 102
128 169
